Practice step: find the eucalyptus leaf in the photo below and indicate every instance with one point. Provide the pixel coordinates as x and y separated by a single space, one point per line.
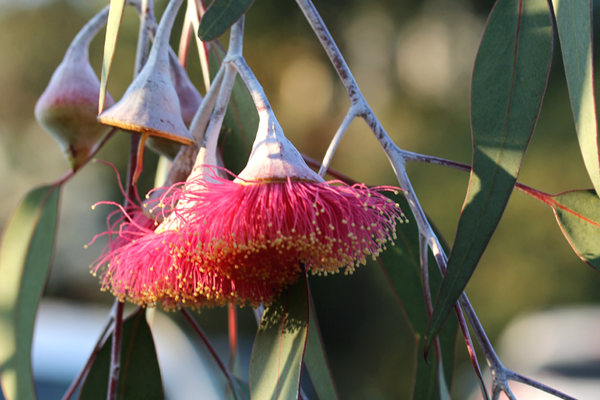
578 215
25 254
139 376
278 351
115 16
574 23
220 16
315 360
509 81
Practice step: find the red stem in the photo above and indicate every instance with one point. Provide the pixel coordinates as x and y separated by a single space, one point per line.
471 349
69 174
86 368
537 194
233 331
210 347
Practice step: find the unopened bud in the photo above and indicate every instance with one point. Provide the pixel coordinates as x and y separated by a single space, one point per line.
150 105
189 101
68 107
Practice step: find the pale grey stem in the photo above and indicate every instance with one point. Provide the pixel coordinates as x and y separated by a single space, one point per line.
234 51
236 40
147 28
398 159
527 381
202 116
79 47
500 374
350 115
256 90
216 120
393 152
159 53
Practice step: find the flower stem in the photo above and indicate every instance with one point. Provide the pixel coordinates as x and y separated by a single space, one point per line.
86 368
147 27
224 92
228 375
115 356
350 115
93 152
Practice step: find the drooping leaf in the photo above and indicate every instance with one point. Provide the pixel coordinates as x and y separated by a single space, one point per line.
574 22
509 80
25 254
315 360
139 376
241 119
401 265
578 215
220 16
278 351
115 16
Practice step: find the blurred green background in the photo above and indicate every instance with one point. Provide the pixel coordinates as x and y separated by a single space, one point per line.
413 61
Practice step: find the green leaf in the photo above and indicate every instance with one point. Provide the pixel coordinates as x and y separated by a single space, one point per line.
315 359
25 254
578 215
241 119
402 267
574 22
139 376
509 80
276 361
220 16
115 16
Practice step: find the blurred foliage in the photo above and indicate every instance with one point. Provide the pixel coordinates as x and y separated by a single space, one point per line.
413 60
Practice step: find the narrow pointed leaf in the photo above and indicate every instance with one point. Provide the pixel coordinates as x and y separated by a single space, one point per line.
241 119
139 376
574 22
115 16
316 362
276 362
220 16
25 254
578 215
509 80
401 265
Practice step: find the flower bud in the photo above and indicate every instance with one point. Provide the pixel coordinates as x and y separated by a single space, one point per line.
150 105
68 107
189 101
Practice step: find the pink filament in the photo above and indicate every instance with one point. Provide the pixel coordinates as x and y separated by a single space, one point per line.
244 242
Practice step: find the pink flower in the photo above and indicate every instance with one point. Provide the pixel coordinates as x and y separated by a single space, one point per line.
258 235
245 240
255 234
